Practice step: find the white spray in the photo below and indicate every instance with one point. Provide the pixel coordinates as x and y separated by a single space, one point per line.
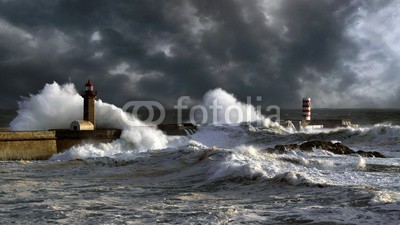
223 111
224 108
56 106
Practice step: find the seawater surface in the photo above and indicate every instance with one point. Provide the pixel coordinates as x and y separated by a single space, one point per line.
219 175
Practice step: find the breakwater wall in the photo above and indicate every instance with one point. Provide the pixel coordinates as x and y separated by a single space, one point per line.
39 145
27 145
327 123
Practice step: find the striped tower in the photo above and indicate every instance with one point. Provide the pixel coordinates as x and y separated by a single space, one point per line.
307 109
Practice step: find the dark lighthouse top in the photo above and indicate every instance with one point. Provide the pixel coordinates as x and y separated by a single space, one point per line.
89 89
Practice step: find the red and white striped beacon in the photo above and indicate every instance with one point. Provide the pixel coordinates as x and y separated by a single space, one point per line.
307 109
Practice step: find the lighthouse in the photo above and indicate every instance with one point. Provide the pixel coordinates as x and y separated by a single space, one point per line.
306 111
89 98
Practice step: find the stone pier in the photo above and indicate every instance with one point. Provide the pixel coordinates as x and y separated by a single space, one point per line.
39 145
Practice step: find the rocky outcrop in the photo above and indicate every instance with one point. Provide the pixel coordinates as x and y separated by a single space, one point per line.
336 148
370 154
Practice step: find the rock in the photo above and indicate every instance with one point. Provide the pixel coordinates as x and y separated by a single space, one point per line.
286 148
309 146
370 154
336 148
280 149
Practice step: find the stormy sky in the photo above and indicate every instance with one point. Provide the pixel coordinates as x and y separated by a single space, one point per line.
341 53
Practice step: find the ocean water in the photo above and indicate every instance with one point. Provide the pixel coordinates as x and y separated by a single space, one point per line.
219 175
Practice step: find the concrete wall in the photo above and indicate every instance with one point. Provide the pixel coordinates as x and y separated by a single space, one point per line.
329 123
68 138
27 145
38 145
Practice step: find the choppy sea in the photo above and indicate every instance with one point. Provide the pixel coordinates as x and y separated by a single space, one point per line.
219 175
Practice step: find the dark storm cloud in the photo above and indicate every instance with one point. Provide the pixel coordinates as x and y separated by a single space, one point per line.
280 50
274 60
